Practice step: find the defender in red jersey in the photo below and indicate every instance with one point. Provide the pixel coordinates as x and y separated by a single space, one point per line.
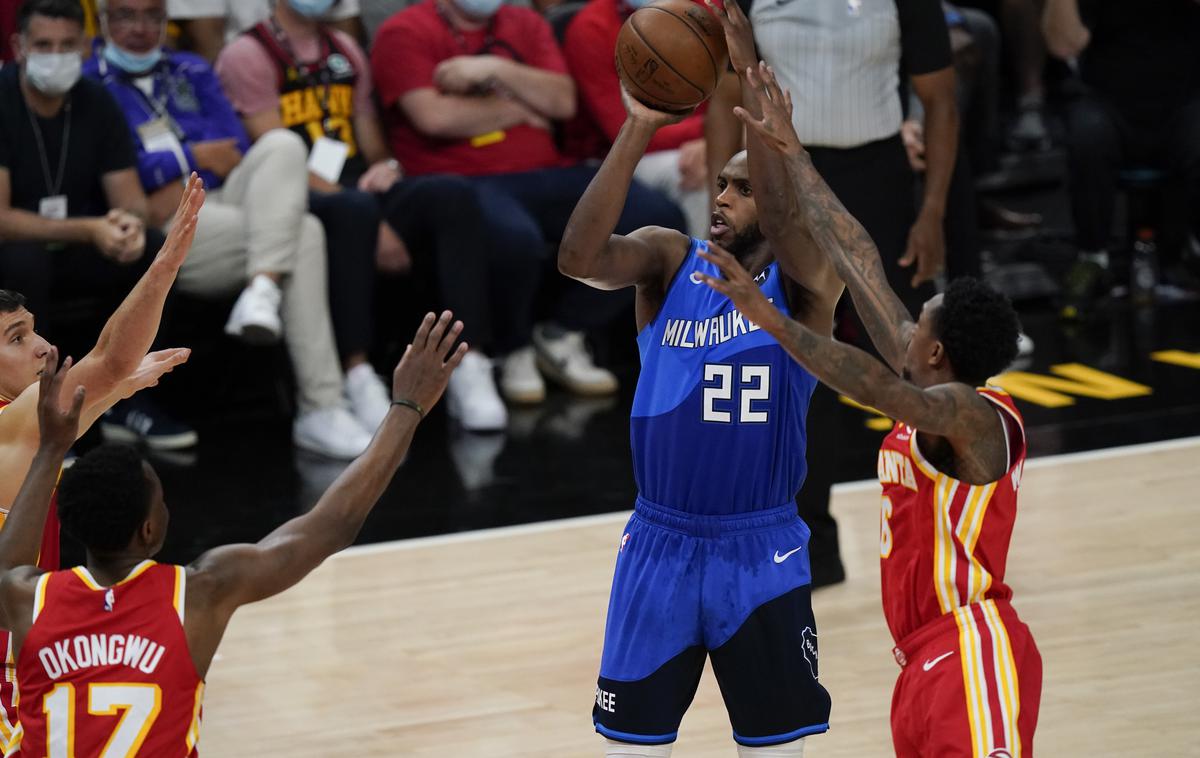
971 674
111 657
116 368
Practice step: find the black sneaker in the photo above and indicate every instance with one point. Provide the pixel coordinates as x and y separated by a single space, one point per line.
138 420
1083 286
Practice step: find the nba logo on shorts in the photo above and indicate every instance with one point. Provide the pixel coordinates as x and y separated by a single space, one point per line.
624 542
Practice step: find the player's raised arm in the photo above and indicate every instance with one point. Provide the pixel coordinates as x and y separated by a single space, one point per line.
106 371
227 577
589 250
838 234
780 216
21 537
951 410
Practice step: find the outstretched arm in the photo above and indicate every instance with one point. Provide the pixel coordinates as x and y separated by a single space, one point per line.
953 410
589 251
842 238
123 343
779 215
234 575
21 536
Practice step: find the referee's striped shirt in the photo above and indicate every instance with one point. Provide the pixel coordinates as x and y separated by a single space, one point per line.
841 59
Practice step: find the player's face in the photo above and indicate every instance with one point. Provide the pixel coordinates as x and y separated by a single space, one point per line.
159 517
136 25
735 218
924 352
22 352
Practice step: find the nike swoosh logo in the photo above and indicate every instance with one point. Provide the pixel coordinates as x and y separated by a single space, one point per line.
931 663
781 558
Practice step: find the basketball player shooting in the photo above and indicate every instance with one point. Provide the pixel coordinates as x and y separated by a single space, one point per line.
126 636
116 368
713 563
971 674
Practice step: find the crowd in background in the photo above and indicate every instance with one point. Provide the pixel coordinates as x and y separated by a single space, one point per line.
348 142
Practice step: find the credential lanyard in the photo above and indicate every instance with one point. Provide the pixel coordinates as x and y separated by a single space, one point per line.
52 189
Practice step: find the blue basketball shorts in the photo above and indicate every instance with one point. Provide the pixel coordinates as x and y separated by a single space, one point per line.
736 589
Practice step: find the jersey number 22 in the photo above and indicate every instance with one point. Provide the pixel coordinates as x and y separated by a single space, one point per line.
754 387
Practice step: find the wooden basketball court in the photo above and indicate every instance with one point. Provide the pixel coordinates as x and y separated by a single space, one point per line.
488 643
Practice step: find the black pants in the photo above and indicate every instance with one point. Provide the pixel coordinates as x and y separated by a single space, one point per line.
1102 140
71 290
351 221
526 214
441 221
875 183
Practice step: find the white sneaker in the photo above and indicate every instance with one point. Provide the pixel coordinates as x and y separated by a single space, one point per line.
471 396
368 395
332 432
519 378
255 315
566 360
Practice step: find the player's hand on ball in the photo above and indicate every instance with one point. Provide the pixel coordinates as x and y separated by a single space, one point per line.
639 111
775 128
739 36
58 426
423 372
737 284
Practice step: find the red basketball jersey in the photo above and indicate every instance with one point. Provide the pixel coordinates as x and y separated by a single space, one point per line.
47 559
944 543
107 671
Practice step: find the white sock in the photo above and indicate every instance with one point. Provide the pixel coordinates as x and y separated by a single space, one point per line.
794 749
614 749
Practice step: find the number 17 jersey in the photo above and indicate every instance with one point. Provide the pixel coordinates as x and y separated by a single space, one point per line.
718 421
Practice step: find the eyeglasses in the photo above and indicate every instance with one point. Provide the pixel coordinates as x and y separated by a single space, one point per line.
126 17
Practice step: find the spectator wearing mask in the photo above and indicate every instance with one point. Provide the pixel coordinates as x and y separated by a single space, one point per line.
72 212
209 25
293 71
253 233
474 87
1140 63
674 163
842 61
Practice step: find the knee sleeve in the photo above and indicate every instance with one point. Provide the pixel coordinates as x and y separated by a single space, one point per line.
614 749
793 749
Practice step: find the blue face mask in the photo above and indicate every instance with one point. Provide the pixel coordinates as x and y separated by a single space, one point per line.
479 8
633 5
311 8
132 63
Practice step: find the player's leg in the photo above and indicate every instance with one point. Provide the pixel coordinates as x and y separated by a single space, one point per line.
653 655
762 637
614 749
794 749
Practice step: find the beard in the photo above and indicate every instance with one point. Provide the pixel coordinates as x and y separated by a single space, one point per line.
744 241
906 375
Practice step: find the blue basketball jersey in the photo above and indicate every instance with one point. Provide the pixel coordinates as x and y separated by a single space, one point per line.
718 422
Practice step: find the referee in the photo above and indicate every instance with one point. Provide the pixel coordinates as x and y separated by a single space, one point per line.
844 61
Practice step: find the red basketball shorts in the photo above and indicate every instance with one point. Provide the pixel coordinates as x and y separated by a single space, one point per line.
970 686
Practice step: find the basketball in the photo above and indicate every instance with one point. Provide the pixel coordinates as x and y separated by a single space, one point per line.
670 54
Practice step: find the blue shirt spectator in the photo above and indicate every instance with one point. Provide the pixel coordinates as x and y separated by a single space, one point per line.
173 106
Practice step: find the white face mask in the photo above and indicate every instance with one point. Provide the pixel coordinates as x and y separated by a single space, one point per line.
479 8
53 74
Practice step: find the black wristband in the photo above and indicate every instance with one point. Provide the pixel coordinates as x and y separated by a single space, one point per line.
403 403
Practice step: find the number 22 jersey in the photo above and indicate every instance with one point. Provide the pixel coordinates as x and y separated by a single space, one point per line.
718 421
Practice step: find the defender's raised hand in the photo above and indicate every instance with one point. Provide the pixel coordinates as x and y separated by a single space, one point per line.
740 287
183 228
775 128
739 36
58 427
422 374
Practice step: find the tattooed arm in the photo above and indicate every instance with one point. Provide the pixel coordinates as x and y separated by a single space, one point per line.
779 212
953 410
842 238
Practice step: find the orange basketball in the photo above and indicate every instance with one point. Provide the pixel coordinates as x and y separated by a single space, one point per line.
670 54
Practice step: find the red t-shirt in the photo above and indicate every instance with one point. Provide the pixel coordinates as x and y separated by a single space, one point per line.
588 47
407 49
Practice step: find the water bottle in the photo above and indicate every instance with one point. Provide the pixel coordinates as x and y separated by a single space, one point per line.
1143 272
